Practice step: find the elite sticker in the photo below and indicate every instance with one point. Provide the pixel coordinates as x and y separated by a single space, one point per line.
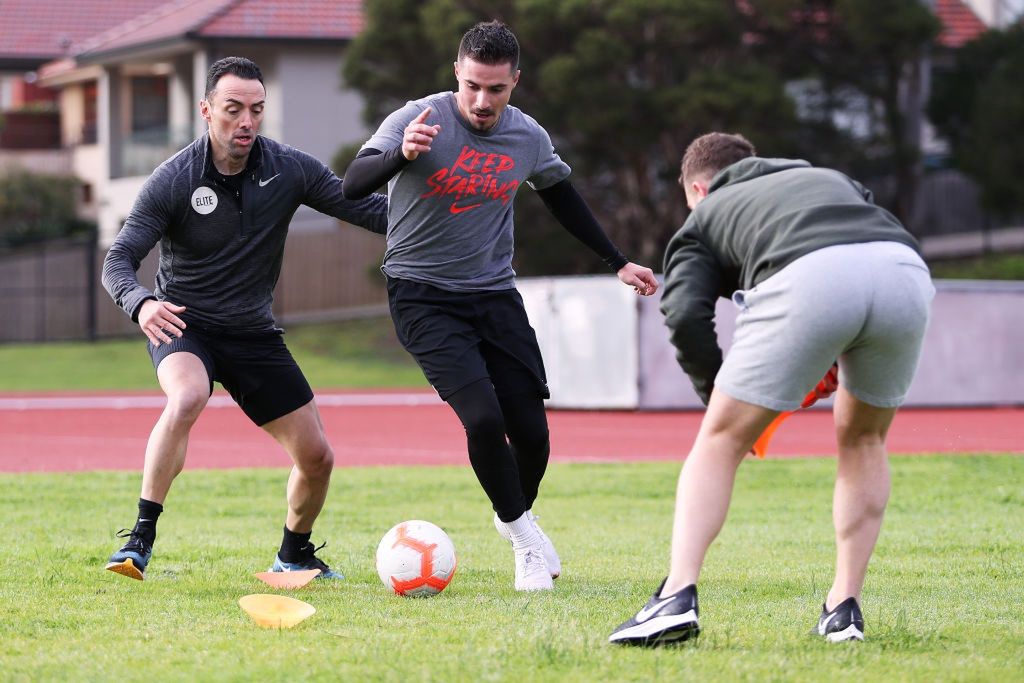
204 200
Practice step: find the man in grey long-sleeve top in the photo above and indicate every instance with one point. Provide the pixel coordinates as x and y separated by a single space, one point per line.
818 273
220 209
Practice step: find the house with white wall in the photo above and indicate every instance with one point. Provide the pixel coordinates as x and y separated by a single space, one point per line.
129 95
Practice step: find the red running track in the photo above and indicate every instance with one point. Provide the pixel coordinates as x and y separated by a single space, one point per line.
102 432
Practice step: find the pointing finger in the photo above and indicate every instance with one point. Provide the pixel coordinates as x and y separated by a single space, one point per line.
422 116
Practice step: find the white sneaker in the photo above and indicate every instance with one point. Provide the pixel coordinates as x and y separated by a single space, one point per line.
551 558
531 571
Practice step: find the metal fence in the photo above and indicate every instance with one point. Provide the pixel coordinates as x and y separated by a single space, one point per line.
52 291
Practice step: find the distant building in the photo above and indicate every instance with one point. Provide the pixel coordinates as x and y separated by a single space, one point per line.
129 94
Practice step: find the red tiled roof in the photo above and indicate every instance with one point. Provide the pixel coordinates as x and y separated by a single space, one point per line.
297 19
48 29
960 24
172 19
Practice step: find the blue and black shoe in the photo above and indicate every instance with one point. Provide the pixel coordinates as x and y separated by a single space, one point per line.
132 558
310 561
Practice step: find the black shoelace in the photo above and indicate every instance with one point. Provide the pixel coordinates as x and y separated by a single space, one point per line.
135 541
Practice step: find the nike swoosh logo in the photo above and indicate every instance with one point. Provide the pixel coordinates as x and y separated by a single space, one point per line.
264 183
648 611
824 627
460 209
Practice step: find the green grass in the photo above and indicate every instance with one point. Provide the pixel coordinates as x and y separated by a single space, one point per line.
986 267
942 601
354 354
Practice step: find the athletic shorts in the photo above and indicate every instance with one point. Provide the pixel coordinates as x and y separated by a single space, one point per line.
459 338
258 371
866 305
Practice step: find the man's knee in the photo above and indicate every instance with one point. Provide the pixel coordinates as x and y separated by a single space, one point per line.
484 425
185 405
316 460
536 442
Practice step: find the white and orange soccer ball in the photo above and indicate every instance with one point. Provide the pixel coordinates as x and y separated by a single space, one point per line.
416 559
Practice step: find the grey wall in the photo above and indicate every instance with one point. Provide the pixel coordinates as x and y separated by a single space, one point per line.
973 353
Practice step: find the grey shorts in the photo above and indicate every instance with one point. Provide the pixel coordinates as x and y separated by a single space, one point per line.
866 305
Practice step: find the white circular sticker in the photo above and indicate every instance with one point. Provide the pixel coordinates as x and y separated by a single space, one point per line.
204 200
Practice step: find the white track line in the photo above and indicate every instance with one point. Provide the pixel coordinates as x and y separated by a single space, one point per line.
216 401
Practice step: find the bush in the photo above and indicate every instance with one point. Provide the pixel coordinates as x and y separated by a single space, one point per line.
35 207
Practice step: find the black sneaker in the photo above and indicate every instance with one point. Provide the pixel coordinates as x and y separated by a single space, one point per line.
132 558
661 621
843 623
311 562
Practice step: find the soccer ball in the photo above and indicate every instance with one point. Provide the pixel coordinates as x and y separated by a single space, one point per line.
416 559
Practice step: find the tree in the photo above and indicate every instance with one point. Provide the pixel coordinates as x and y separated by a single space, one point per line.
860 54
978 105
35 208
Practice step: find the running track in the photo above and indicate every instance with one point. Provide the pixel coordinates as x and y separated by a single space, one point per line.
107 432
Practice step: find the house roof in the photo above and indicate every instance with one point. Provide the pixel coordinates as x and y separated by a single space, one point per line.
176 20
35 32
960 24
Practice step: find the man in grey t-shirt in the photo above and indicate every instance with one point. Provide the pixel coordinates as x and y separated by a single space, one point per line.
453 163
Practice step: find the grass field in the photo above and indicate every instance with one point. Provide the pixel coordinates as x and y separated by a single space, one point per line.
1008 266
353 354
942 601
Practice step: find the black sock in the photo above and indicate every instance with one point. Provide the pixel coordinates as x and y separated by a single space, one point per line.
294 546
149 513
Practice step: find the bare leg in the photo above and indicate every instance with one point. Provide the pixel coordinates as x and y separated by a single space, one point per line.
726 435
301 433
184 380
861 492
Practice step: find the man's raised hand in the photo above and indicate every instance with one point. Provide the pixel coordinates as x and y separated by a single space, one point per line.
418 136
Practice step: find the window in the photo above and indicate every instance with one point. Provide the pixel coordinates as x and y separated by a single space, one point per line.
89 123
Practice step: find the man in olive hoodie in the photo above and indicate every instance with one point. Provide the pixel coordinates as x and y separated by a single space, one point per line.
819 274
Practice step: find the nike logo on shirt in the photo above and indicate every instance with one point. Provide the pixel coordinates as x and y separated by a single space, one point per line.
264 183
460 209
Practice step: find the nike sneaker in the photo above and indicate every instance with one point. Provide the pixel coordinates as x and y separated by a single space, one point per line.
132 558
310 561
843 623
532 573
661 620
551 558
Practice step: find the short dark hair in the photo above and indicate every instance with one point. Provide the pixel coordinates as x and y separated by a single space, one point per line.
490 42
712 152
237 66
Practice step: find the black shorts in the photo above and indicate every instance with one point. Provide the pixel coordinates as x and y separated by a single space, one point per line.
258 371
462 337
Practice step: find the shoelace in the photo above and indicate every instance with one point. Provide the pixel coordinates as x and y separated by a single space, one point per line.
135 540
533 560
314 561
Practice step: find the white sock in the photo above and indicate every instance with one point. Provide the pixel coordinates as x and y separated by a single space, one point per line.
522 531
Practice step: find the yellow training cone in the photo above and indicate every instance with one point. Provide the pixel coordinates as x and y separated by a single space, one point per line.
287 579
275 611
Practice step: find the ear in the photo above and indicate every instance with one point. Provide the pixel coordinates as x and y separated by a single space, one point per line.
456 64
695 192
204 109
515 79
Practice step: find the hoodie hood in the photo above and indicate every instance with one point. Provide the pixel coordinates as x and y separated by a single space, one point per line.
750 168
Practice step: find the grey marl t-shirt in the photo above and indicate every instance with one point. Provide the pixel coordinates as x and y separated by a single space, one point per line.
450 210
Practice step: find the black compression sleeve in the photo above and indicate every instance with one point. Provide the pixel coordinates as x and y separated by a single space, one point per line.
370 169
568 207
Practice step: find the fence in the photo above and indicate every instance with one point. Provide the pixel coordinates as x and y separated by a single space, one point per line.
52 291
